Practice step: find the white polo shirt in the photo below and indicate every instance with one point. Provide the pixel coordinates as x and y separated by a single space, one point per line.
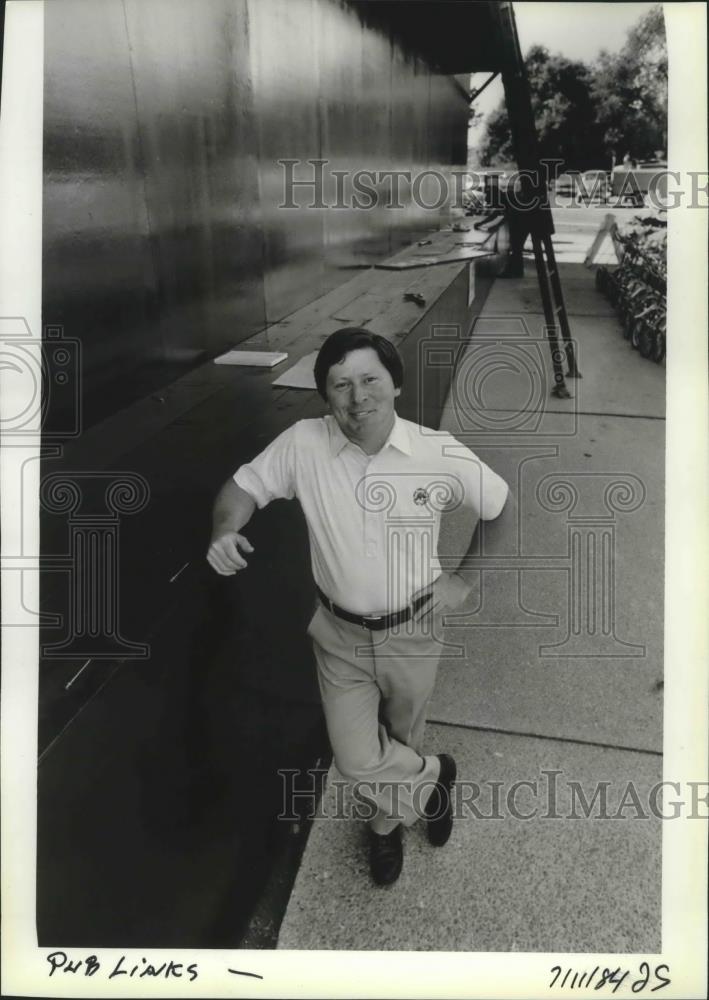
373 520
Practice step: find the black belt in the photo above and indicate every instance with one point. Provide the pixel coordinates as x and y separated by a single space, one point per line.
374 622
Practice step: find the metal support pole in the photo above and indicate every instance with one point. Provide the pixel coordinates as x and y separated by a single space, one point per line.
560 389
553 273
474 94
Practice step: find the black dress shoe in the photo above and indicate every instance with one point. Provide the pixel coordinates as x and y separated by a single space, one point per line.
439 808
386 856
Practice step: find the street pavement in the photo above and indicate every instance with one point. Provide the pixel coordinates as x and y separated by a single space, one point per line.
549 694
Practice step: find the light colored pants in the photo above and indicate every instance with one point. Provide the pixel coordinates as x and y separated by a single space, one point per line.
375 688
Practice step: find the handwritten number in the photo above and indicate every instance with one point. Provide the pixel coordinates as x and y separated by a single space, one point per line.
613 977
664 980
618 982
605 975
641 983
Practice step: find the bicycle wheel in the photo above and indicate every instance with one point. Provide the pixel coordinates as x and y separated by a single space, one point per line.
646 334
630 305
660 344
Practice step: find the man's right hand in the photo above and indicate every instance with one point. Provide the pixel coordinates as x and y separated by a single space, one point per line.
223 554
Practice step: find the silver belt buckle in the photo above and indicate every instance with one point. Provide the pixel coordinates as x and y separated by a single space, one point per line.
371 618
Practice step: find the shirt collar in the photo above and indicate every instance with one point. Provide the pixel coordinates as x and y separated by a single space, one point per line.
399 437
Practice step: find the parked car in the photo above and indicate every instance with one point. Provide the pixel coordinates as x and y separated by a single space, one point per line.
593 186
647 176
565 185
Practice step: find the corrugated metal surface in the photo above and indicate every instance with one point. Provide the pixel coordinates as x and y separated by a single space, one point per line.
164 124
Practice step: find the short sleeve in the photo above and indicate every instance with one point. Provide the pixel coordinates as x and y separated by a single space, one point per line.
483 490
271 475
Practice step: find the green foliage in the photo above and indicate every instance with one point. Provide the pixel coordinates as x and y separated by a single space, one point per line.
630 91
584 113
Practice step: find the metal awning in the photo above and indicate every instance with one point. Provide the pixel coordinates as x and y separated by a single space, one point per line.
454 36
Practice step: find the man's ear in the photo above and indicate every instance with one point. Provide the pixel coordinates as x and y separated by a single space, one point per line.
397 392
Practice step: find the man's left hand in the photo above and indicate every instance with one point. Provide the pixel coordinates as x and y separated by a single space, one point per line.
447 594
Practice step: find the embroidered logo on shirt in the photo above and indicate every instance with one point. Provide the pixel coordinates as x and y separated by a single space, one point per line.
420 496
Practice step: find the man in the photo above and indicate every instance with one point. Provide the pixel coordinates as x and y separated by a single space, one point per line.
372 487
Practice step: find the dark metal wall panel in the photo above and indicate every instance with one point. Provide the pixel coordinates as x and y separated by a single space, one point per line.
402 118
194 106
98 272
448 134
152 235
165 239
284 70
457 119
438 142
344 120
372 149
409 124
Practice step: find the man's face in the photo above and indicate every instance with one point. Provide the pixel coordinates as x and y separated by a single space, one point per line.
361 395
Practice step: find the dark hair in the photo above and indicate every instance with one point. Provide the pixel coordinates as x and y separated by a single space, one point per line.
353 338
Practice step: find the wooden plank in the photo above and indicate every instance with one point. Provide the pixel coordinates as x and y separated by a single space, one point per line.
399 317
359 301
381 308
460 254
607 227
325 305
441 248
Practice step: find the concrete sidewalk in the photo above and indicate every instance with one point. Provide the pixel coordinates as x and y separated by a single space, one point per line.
559 679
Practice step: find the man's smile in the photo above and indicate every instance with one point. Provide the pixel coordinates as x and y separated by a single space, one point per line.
361 394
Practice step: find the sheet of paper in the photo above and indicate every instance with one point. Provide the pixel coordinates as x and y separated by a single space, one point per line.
471 282
301 375
259 359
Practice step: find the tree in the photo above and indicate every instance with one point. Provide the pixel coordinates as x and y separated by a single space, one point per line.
583 113
630 91
563 109
495 146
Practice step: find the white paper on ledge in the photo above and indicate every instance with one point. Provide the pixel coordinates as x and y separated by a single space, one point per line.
301 375
259 359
